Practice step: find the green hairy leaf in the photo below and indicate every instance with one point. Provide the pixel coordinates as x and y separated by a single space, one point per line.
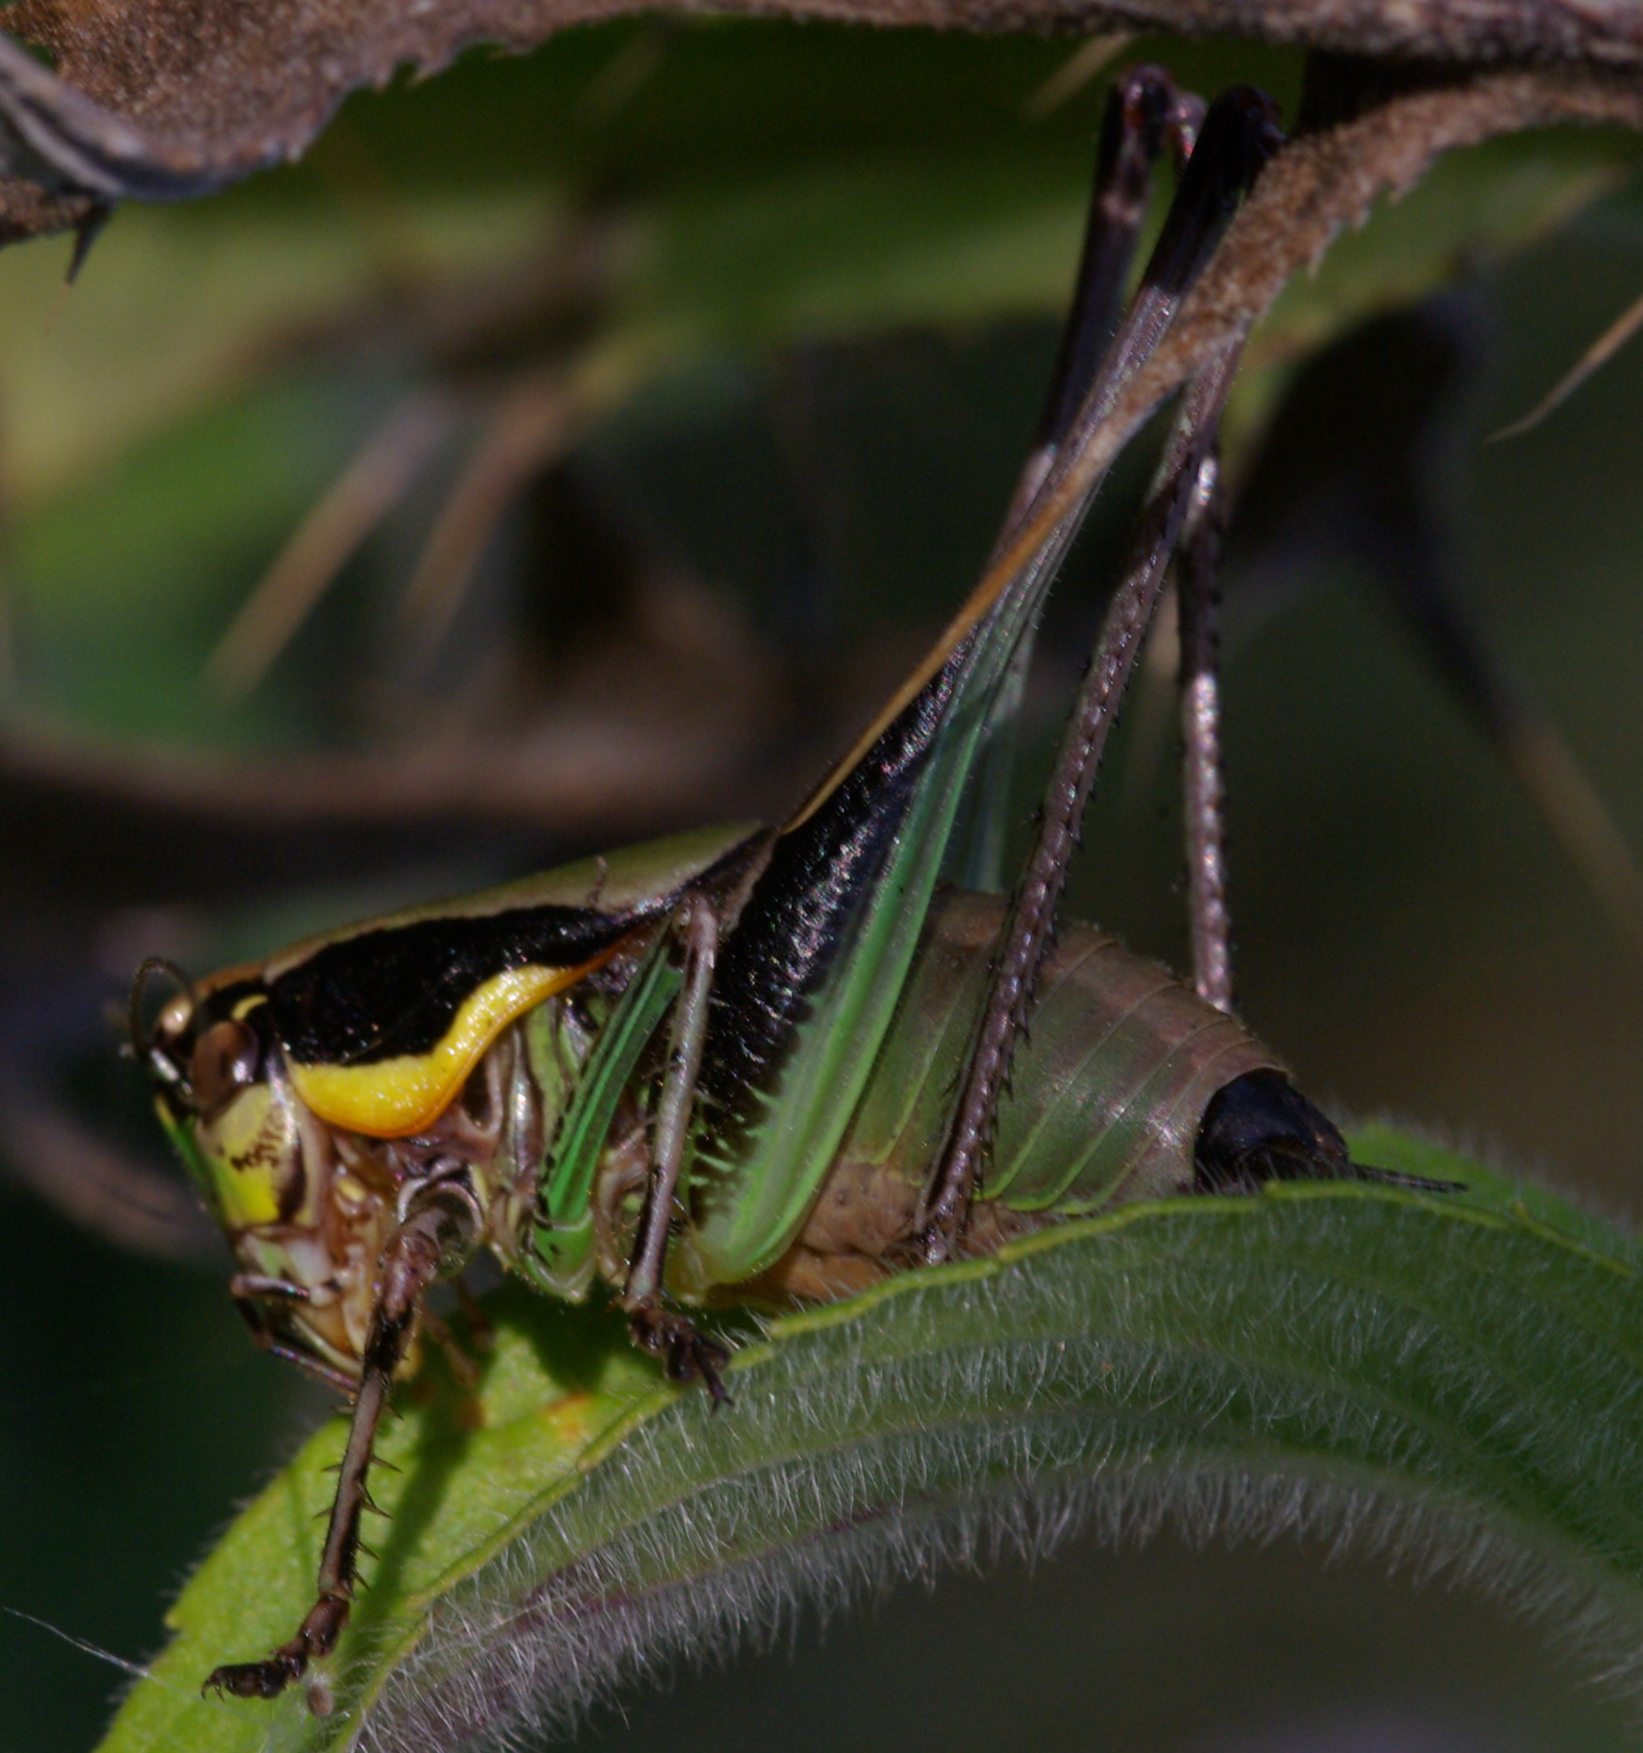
1452 1380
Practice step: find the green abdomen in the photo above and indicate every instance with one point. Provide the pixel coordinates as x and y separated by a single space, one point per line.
1108 1095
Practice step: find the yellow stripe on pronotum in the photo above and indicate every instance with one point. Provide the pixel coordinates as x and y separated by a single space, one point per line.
392 1098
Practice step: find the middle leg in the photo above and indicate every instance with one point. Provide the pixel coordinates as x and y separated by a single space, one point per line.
655 1327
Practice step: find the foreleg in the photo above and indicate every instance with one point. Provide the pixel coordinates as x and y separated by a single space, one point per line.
437 1236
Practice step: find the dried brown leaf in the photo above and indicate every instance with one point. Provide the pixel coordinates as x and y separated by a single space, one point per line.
171 99
652 726
1601 351
353 506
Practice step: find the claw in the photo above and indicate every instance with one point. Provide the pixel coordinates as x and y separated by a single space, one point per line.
688 1355
254 1679
709 1359
316 1638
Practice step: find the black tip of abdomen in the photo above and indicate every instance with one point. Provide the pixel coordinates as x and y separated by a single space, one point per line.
1261 1128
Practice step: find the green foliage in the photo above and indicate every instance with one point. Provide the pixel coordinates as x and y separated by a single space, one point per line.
1451 1379
746 188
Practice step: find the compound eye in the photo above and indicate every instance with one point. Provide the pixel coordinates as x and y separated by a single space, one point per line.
162 1045
227 1057
169 1051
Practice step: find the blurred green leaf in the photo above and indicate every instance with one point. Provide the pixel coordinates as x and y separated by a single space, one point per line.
758 186
1453 1379
785 183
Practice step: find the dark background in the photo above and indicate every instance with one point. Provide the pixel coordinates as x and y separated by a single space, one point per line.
738 563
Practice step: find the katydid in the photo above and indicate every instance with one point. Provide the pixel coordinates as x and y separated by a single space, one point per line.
722 1068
